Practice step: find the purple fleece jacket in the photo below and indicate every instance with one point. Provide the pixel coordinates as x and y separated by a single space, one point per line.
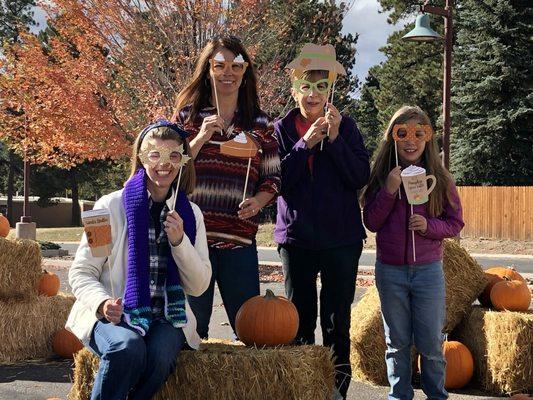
388 215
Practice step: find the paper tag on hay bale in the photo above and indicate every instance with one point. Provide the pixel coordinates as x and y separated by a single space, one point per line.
98 231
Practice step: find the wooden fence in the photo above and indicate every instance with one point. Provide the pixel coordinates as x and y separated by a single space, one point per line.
503 212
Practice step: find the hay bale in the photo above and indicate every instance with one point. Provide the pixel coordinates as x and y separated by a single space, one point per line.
223 371
20 268
367 352
27 327
502 346
465 280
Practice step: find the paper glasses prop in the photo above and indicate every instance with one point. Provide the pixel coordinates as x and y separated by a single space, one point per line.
241 146
219 66
304 87
410 132
154 155
314 57
414 181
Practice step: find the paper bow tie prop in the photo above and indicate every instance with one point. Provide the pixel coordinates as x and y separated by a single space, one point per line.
154 155
219 65
412 132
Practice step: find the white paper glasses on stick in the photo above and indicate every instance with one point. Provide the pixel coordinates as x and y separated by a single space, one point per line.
414 181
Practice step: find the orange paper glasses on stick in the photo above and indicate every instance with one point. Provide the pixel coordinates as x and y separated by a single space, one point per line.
412 132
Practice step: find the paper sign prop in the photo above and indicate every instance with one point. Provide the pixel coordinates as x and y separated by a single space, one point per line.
415 184
414 181
241 146
412 132
154 155
219 65
97 228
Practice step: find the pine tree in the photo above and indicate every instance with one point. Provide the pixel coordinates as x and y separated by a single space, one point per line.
492 142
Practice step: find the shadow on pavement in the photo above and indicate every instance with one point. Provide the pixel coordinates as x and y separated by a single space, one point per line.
50 370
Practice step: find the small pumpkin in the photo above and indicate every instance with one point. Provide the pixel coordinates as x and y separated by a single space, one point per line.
494 275
511 295
66 344
267 320
4 226
49 284
459 364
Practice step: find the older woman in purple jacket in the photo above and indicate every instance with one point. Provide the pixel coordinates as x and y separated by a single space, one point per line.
319 227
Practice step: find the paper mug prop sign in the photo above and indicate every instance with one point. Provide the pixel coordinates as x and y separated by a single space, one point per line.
241 146
415 184
97 228
414 181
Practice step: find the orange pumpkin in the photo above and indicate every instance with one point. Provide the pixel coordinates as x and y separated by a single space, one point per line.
4 226
459 364
65 344
49 284
267 320
512 295
494 275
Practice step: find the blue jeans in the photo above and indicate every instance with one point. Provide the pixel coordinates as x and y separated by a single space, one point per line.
133 366
236 272
413 309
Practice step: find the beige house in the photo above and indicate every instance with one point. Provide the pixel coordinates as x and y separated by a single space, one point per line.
54 216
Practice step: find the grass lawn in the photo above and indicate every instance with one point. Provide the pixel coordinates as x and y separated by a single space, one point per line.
265 237
56 234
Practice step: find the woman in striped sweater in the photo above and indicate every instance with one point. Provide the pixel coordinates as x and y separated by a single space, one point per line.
220 109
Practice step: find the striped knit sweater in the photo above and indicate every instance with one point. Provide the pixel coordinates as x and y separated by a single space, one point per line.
220 179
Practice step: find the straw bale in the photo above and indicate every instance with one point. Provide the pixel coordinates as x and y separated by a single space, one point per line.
223 371
465 279
20 268
27 327
502 345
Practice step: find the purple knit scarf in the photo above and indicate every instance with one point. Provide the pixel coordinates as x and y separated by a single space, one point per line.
137 309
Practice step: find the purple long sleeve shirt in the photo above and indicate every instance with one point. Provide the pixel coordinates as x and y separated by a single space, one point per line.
388 216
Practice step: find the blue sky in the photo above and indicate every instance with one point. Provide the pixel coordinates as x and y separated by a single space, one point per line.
363 18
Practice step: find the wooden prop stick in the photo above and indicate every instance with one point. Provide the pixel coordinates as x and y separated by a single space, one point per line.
332 94
177 188
396 154
246 181
216 95
413 235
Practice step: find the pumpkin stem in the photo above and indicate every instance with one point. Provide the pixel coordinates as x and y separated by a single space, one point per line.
269 295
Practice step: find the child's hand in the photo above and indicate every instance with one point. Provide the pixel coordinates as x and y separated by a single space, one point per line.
418 223
394 180
333 117
316 132
112 310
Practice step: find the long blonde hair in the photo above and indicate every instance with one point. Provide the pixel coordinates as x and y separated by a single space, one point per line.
385 162
188 176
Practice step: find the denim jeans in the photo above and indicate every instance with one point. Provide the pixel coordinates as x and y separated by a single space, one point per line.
413 309
133 366
236 272
338 272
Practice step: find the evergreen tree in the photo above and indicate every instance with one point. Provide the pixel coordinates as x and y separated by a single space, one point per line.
366 113
492 143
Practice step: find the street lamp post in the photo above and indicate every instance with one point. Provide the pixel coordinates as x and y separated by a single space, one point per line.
423 33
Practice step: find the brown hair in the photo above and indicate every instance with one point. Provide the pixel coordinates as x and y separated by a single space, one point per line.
188 175
385 162
197 93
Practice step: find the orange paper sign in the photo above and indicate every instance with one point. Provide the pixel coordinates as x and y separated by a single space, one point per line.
240 146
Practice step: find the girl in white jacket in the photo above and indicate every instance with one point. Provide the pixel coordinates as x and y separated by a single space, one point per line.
159 254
